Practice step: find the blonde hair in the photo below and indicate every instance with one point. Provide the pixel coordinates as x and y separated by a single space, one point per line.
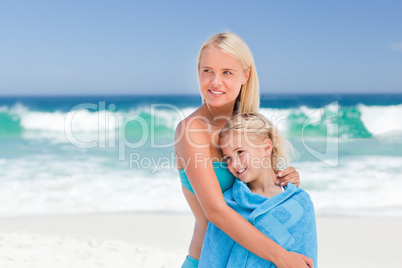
233 45
257 126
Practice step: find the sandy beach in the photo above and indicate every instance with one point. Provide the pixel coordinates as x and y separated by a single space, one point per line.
161 240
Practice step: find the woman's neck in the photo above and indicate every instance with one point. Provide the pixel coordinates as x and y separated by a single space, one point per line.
220 115
265 185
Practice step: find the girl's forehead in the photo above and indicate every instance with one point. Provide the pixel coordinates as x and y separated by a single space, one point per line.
235 139
238 139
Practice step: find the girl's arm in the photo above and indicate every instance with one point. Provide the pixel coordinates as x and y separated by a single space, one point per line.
193 149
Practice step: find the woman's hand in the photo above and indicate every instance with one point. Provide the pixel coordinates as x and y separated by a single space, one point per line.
295 260
288 175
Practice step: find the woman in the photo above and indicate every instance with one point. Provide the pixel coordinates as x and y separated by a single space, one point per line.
228 83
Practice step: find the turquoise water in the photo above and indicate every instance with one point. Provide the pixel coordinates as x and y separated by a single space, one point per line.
77 154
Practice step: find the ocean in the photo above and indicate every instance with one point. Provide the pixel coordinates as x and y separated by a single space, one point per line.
88 154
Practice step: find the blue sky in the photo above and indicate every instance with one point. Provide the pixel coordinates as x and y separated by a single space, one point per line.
150 47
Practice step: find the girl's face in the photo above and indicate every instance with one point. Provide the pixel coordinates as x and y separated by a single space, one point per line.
247 159
221 76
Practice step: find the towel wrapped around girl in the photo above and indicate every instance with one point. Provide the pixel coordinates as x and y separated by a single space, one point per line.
287 218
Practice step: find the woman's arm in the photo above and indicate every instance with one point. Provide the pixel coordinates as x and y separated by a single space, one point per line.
288 175
193 149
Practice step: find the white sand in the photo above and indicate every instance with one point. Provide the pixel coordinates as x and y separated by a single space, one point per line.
31 250
161 240
98 240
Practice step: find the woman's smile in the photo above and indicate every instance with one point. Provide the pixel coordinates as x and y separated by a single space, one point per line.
216 93
221 76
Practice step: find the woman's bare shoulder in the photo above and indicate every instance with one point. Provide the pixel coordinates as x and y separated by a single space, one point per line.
192 137
196 120
193 134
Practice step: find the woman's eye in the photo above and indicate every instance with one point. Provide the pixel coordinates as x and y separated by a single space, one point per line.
240 152
207 71
227 72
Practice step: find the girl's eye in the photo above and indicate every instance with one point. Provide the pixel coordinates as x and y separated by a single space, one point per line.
207 71
227 72
226 159
240 152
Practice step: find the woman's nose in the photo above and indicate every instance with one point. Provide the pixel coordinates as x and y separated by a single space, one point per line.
216 81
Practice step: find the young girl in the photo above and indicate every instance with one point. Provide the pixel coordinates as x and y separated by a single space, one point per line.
254 151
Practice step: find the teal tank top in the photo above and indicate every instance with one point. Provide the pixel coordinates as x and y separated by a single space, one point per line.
225 177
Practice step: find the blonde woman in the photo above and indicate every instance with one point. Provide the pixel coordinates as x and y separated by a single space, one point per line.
254 151
228 83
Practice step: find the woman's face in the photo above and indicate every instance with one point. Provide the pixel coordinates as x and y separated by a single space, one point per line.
221 77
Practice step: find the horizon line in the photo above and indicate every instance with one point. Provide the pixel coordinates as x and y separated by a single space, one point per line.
193 95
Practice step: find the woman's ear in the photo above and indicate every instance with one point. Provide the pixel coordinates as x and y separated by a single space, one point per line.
247 76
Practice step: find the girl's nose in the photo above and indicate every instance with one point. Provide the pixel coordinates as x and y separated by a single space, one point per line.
236 161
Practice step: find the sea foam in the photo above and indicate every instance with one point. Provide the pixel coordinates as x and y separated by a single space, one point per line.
382 120
359 122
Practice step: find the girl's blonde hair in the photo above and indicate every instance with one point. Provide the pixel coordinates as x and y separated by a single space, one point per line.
258 127
232 44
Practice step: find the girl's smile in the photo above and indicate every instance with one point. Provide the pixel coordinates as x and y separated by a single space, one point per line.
247 160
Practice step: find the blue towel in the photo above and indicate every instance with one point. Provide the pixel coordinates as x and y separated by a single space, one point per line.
287 218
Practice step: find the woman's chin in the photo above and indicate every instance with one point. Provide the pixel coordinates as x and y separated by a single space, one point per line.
219 103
